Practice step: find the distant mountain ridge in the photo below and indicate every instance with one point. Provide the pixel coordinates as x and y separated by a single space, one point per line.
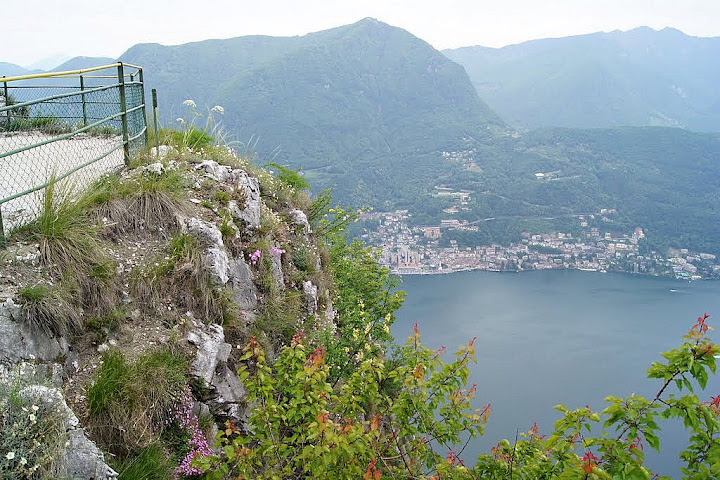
363 94
80 63
12 70
389 121
639 77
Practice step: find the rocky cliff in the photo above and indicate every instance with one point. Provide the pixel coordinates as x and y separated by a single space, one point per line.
182 258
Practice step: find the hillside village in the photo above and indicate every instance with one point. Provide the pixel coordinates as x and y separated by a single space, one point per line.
410 250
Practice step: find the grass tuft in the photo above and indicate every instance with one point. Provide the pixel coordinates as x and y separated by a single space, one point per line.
48 309
183 277
129 402
151 464
148 202
68 244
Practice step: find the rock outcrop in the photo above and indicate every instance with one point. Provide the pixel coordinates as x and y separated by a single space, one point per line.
19 342
225 394
81 459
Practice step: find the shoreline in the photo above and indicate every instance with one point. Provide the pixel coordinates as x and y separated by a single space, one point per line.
471 269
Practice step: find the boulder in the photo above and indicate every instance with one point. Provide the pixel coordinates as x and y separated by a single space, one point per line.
156 168
215 256
228 396
19 342
219 173
277 271
310 293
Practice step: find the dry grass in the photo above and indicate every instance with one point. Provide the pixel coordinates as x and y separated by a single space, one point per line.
47 309
145 202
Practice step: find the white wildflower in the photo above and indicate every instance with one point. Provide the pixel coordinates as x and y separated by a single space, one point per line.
189 103
32 417
181 120
35 408
219 109
10 455
23 461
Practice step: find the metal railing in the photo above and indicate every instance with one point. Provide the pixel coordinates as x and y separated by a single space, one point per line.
80 123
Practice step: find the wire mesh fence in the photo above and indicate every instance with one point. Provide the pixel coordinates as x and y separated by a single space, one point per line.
65 126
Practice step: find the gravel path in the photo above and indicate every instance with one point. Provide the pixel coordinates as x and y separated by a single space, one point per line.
30 168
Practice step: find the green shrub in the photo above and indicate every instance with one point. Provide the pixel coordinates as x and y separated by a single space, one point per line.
289 177
102 326
222 197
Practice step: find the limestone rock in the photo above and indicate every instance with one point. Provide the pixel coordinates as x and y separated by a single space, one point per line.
250 189
53 372
81 460
206 232
228 395
300 220
277 271
217 263
211 349
310 293
219 173
19 342
162 152
215 257
156 168
243 288
84 460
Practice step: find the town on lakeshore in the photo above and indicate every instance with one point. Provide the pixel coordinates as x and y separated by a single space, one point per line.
410 250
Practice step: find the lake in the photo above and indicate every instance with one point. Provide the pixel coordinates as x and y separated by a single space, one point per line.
559 337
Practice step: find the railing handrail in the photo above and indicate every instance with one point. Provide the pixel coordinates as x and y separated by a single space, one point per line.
67 73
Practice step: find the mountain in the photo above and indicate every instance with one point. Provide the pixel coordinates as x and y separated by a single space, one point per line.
79 63
12 70
639 77
48 63
384 118
357 107
665 180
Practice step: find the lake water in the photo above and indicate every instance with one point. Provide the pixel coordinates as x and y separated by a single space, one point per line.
559 337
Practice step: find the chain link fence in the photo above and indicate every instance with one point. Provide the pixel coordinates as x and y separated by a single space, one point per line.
71 126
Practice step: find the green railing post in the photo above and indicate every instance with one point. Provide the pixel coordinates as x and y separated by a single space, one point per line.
7 102
123 109
155 122
142 99
82 96
3 240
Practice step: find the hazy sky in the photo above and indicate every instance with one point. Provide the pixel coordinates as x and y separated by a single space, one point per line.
37 29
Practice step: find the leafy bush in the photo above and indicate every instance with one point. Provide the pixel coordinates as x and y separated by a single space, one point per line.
290 177
398 418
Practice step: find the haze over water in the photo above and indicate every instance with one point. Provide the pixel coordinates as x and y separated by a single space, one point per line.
551 337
